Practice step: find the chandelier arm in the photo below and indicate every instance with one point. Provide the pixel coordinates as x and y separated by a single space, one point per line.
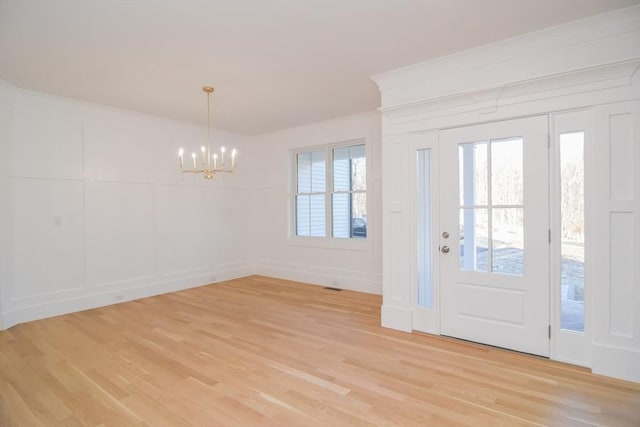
208 170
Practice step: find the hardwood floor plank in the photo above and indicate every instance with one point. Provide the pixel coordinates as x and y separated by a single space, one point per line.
260 351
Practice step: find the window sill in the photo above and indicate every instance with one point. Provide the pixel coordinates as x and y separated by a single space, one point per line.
361 245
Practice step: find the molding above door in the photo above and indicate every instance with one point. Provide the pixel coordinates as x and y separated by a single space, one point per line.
484 102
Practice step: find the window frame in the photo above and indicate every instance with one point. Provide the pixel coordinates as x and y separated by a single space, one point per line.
328 239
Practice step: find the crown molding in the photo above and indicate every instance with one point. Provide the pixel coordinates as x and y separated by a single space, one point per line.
486 101
601 50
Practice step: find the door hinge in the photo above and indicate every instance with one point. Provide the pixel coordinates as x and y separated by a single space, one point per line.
548 140
549 331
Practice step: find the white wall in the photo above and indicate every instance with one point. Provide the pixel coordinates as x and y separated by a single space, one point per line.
276 252
93 209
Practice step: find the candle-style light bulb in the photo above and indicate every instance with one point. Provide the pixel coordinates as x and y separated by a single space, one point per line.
181 159
193 156
204 157
222 150
233 158
215 160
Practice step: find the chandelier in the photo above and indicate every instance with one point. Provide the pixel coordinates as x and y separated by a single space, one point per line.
207 168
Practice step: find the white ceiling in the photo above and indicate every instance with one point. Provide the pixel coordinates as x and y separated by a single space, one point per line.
274 64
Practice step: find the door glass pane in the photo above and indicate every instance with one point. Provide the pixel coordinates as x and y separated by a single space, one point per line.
473 174
507 176
425 244
507 240
474 236
572 230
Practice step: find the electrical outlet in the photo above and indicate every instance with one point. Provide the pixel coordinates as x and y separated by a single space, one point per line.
117 298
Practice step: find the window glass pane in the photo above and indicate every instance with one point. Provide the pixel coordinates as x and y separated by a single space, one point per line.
358 168
359 215
303 216
349 168
341 215
310 219
507 172
349 215
572 230
348 209
507 240
474 236
341 169
318 171
317 221
304 172
425 256
473 174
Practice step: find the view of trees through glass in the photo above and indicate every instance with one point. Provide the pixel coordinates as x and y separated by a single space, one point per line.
572 230
492 214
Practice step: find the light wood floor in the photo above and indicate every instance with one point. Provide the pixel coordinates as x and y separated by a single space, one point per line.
261 352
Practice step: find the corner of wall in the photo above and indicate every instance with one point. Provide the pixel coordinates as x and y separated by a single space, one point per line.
6 94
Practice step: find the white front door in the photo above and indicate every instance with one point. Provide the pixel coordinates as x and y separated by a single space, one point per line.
494 234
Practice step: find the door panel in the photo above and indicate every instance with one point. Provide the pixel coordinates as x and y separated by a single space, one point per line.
494 208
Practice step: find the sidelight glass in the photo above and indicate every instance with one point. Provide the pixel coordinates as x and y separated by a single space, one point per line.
572 230
425 237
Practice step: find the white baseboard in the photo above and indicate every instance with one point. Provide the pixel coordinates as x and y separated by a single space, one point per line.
101 297
349 280
398 318
617 362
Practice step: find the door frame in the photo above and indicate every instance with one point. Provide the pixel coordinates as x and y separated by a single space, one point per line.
567 346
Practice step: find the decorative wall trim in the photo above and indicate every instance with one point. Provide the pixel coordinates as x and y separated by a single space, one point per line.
321 276
398 318
594 41
616 362
55 307
485 101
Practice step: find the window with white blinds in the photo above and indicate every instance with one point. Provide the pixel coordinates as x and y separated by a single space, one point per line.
331 192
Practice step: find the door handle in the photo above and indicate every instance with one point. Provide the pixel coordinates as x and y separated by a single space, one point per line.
445 249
